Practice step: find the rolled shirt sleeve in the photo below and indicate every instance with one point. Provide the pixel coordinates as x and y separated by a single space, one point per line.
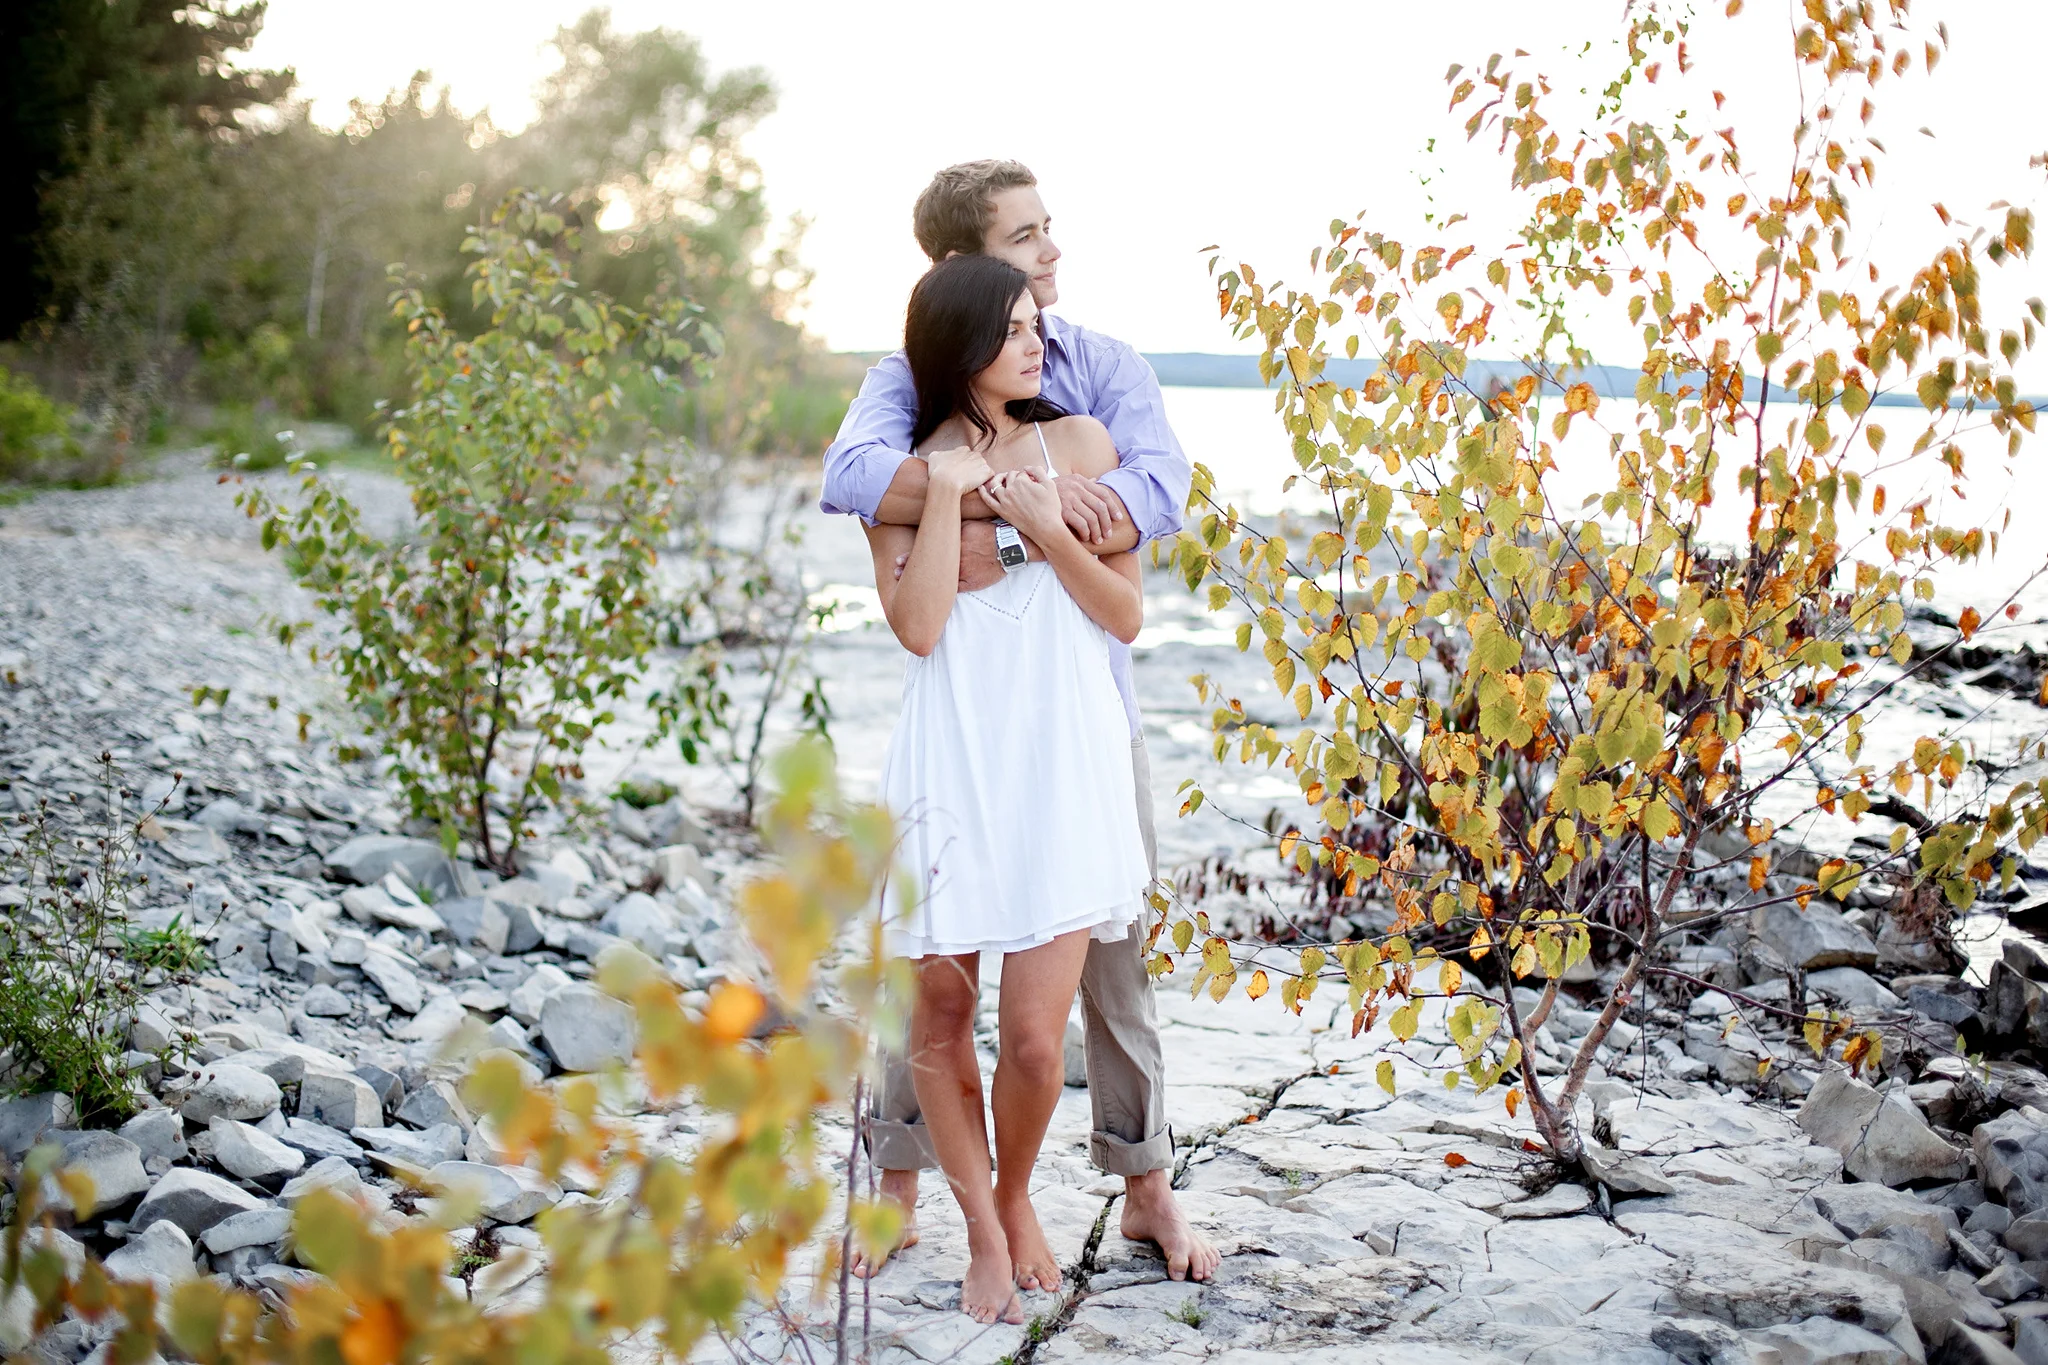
1152 474
874 441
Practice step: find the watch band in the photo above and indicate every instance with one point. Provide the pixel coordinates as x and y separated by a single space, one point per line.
1009 547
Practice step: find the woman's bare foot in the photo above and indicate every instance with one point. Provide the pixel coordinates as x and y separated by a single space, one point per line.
898 1188
1152 1214
988 1292
1031 1256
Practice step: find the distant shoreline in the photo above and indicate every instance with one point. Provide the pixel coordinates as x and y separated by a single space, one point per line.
1202 370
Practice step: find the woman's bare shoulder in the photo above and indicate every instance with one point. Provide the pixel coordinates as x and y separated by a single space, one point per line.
1082 445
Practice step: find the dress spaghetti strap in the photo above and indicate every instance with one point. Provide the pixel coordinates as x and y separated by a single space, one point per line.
1043 451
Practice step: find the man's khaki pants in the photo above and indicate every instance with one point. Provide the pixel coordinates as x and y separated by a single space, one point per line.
1126 1074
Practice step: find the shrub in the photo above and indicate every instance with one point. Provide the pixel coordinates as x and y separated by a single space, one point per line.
688 1240
1518 724
521 608
250 438
35 432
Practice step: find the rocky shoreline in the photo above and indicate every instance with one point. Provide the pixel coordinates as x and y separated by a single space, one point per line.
1800 1216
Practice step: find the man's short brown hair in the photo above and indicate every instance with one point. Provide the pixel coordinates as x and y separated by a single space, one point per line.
954 211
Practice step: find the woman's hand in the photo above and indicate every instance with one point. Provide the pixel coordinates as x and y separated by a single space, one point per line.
1027 499
958 469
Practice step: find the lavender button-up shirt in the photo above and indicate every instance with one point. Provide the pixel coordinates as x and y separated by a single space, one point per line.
1085 372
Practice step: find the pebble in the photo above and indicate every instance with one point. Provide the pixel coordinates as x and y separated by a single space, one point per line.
325 1002
341 1101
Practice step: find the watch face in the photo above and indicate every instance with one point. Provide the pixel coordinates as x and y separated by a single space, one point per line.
1010 556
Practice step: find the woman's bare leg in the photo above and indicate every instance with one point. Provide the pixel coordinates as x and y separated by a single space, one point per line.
1038 991
948 1080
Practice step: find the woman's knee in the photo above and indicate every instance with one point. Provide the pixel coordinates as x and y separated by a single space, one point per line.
946 1003
1037 1056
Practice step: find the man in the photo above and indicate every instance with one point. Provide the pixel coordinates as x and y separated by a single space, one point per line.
994 207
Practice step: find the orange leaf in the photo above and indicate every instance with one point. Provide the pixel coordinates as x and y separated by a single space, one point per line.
1451 1159
734 1010
1759 868
374 1336
1581 398
1514 1101
1259 985
1969 622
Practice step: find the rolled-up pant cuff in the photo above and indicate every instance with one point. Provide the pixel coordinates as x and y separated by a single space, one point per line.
896 1146
1113 1156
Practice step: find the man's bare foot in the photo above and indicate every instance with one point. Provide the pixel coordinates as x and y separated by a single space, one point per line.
1031 1256
988 1292
898 1188
1152 1214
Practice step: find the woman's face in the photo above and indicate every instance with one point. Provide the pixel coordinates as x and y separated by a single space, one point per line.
1015 372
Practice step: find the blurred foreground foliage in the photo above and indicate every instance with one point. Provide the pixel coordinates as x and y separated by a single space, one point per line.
1518 721
678 1240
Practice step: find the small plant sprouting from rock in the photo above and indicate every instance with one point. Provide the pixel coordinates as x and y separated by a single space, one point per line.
69 983
173 949
1190 1312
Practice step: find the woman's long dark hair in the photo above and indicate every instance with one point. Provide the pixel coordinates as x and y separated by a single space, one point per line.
958 323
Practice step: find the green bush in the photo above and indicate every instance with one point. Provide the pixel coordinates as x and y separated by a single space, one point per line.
490 645
35 431
250 438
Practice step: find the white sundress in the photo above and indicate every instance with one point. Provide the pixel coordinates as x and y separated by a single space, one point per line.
1010 778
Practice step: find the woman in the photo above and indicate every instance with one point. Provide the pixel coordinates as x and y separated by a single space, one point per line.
1010 765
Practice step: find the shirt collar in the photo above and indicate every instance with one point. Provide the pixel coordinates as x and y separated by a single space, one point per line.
1057 336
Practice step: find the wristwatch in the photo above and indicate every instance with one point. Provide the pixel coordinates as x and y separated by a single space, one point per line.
1009 547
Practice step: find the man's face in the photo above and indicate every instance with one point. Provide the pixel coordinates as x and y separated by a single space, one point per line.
1020 232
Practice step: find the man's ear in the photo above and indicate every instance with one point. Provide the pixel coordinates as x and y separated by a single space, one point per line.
951 254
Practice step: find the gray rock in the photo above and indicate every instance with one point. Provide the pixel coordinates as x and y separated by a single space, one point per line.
325 1002
1623 1174
1869 1210
2028 1236
320 1141
522 928
256 1228
1881 1137
1746 1290
375 905
157 1133
529 995
435 1103
114 1164
1813 938
1812 1341
2030 1340
226 1090
2012 1158
339 1101
349 950
590 944
390 1089
194 1200
585 1029
400 986
253 1154
226 815
151 1030
328 1173
1074 1057
366 858
504 1194
426 1149
1991 1218
2006 1283
1854 988
477 920
161 1254
2015 1006
1969 1346
25 1119
641 920
284 1067
1942 998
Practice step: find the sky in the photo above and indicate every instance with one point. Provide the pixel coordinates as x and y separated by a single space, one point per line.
1160 127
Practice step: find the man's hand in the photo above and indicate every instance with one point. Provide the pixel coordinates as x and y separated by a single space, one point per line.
979 567
1091 509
